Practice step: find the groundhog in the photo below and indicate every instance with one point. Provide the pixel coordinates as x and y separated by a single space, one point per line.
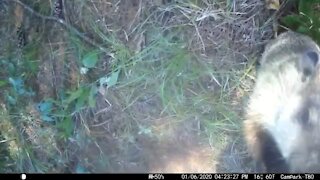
282 121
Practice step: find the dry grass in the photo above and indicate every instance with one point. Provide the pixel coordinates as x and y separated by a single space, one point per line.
185 70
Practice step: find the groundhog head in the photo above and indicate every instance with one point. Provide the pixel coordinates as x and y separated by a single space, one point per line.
282 125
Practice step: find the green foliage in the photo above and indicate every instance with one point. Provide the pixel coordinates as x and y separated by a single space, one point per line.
307 21
65 127
90 59
163 69
81 97
19 90
111 80
61 111
19 87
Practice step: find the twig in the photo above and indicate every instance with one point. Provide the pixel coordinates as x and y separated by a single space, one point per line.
64 24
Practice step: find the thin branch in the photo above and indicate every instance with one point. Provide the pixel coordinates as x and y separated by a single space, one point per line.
63 24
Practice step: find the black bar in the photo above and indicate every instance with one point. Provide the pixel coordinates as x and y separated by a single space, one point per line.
160 176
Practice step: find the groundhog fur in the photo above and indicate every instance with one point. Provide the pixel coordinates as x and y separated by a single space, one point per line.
282 119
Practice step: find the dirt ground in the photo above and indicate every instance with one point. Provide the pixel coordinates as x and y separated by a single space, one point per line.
131 129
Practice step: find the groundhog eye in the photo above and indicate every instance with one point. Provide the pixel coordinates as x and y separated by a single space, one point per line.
309 62
313 57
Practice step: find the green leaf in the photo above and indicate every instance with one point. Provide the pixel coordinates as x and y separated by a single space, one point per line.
315 34
74 95
18 85
302 30
113 79
45 107
11 99
306 6
90 59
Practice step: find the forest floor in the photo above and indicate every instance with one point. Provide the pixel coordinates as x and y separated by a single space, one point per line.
127 86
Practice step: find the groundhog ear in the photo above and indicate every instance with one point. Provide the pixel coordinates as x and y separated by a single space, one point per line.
309 62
